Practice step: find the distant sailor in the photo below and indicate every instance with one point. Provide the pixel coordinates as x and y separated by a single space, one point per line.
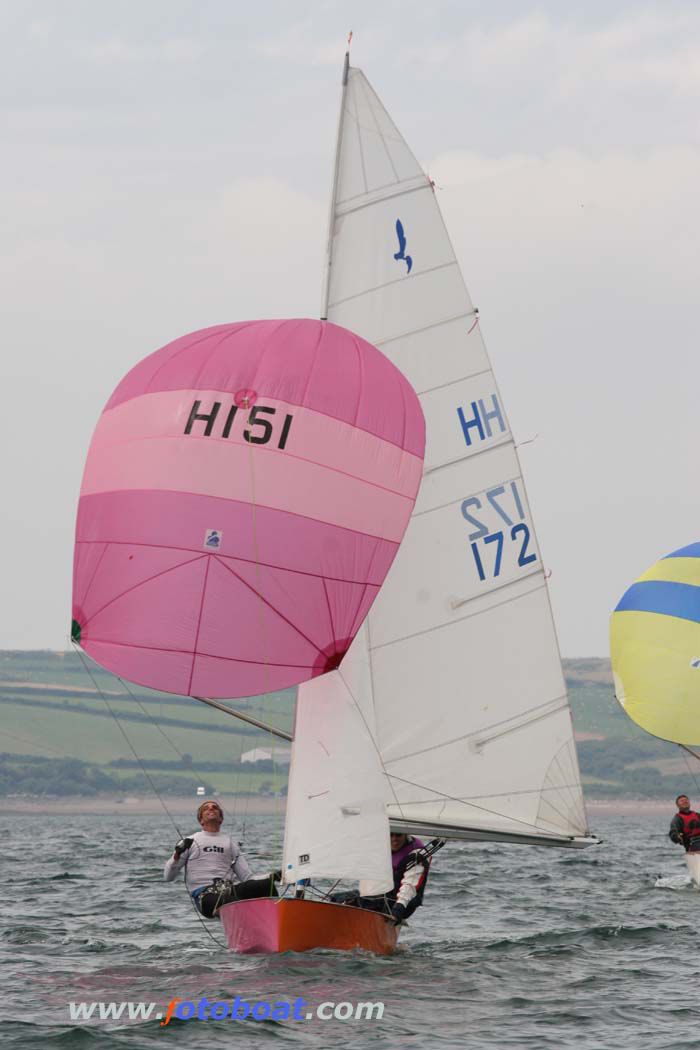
410 862
216 872
685 830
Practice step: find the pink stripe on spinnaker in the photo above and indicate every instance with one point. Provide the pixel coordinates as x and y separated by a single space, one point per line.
311 435
236 472
172 519
173 672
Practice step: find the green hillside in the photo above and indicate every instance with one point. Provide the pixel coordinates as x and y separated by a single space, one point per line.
67 730
51 707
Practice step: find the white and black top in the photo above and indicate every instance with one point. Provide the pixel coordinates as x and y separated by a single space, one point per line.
212 855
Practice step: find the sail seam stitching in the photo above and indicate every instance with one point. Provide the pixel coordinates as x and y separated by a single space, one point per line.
142 583
461 619
250 561
427 328
461 499
455 382
92 578
389 284
368 100
523 723
369 731
356 117
342 211
265 601
199 623
508 440
188 652
453 798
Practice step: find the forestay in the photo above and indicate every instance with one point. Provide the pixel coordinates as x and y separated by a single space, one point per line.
472 719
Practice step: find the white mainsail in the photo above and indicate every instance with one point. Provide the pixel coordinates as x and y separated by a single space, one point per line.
471 715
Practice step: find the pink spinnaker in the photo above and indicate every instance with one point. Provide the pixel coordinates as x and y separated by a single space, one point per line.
245 492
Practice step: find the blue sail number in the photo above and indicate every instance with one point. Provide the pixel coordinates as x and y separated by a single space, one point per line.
500 499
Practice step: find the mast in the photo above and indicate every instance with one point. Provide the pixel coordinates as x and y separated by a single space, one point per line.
334 190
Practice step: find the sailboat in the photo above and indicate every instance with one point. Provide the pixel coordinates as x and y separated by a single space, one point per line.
219 555
655 654
448 716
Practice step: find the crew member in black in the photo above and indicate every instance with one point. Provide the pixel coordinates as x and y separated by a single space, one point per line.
685 826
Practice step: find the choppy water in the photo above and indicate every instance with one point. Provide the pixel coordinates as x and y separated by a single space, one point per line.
514 947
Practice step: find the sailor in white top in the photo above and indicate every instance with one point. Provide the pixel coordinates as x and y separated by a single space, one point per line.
216 872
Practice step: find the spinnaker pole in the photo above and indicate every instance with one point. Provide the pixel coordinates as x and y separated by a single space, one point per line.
244 718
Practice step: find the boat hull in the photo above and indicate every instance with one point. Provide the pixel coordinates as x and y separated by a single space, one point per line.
274 924
693 862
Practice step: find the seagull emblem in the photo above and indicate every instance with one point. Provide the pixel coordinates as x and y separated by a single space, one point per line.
401 253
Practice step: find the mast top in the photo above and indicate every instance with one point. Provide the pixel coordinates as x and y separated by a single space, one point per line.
346 64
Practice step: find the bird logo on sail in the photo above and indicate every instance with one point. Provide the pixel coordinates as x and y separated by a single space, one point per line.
401 253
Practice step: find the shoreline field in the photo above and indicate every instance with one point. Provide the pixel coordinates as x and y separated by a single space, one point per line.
235 806
254 806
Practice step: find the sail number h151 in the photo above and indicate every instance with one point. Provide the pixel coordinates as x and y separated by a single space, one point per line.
256 417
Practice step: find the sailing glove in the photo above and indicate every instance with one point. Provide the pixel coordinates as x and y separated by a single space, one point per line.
399 912
182 845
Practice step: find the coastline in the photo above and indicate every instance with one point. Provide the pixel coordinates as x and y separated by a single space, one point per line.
253 805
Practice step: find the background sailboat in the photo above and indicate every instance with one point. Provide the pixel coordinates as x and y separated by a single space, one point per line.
655 653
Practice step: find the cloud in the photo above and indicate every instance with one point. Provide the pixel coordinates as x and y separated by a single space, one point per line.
659 49
585 272
116 50
635 206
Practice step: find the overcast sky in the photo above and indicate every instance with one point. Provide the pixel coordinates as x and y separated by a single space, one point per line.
166 166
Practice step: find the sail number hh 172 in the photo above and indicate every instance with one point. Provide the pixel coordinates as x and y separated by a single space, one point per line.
500 506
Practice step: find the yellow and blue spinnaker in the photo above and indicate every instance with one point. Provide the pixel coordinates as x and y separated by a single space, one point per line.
655 648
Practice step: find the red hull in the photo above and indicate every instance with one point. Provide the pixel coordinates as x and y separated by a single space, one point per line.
274 924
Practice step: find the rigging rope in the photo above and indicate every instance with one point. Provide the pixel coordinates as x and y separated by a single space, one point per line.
180 755
686 751
131 747
94 681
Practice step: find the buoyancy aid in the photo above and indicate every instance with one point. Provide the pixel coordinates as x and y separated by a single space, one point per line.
690 822
404 860
397 859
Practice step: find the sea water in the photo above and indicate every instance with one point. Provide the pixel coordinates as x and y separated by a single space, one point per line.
514 947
